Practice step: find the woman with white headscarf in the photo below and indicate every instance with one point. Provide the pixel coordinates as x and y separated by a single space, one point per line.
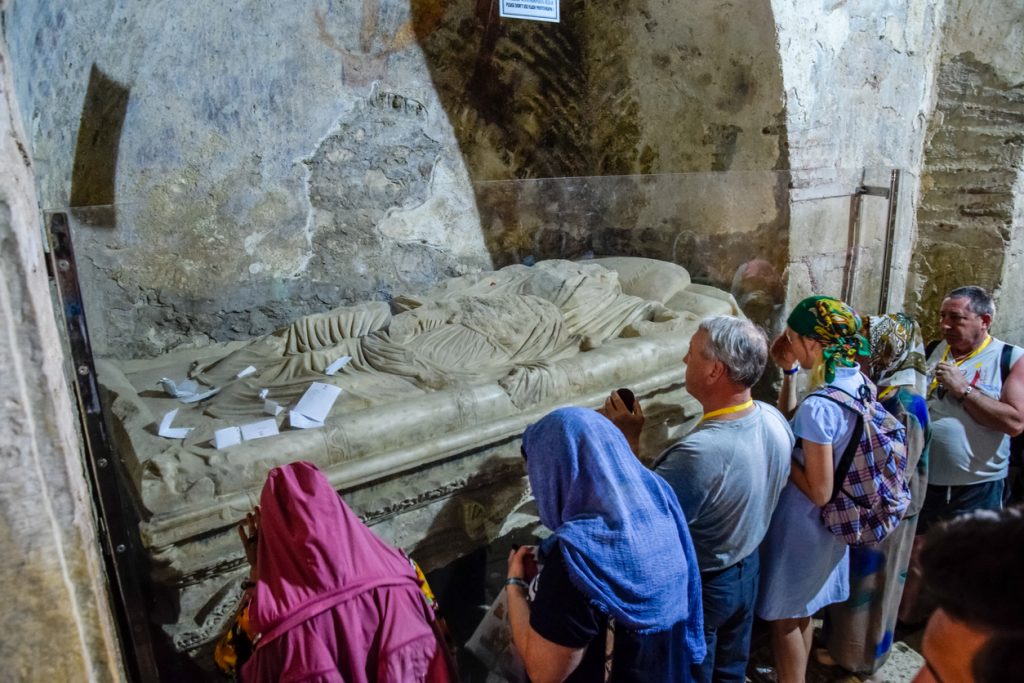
860 630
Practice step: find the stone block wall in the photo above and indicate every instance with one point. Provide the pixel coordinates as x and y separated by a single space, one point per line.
970 217
643 128
966 215
54 607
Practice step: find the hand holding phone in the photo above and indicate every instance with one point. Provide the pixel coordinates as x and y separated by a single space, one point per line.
522 562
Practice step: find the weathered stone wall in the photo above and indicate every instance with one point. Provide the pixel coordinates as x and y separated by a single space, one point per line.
970 216
53 601
858 90
271 160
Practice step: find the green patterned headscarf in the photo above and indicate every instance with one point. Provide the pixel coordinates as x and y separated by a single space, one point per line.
897 352
836 325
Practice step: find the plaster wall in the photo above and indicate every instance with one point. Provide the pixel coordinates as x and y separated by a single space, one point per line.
272 159
53 600
858 92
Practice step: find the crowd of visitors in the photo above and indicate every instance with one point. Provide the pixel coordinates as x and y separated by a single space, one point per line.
815 507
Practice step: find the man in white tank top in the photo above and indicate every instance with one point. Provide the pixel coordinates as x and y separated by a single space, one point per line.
973 411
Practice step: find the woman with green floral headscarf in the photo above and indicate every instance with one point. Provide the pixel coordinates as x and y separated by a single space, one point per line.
804 567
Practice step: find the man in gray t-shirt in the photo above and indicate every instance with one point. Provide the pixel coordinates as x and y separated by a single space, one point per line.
728 474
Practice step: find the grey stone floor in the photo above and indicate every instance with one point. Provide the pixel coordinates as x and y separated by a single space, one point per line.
902 665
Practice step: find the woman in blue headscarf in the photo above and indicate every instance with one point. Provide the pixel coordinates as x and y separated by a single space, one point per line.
618 598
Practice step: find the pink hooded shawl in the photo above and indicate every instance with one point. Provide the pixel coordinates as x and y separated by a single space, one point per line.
333 603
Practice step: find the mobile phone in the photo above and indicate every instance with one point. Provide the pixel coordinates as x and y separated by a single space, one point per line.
628 398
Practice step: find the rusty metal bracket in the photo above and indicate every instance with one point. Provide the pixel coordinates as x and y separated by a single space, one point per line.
117 521
853 237
890 238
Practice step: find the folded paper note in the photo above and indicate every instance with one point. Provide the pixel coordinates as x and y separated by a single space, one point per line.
169 432
232 436
259 430
229 436
312 409
181 389
186 391
245 372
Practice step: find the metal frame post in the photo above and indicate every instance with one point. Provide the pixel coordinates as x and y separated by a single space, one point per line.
117 521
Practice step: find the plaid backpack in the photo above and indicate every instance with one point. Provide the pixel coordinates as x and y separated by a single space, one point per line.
870 493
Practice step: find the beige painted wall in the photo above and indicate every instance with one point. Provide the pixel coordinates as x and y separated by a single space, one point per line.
858 80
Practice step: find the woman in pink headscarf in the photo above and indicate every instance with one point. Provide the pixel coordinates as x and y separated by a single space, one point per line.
331 602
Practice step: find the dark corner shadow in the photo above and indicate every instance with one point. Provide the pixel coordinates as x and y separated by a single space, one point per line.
516 95
94 168
464 553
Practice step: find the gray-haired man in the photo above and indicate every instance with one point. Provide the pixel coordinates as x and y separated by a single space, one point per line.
727 473
976 402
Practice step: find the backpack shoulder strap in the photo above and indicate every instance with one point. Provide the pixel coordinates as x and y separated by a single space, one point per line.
1016 442
846 461
1004 360
844 398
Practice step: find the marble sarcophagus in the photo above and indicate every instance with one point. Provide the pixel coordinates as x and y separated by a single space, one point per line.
423 439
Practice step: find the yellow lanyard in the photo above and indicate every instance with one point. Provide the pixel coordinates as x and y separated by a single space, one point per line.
886 392
728 410
972 354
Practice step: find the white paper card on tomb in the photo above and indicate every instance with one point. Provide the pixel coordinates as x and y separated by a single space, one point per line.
186 391
272 407
169 432
535 10
259 430
245 372
227 437
312 409
337 365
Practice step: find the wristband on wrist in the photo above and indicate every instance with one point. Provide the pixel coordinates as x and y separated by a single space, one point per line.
516 581
792 371
966 393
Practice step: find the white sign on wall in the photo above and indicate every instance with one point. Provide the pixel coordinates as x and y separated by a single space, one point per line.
537 10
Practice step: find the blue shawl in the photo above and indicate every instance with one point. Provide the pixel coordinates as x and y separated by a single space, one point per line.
622 533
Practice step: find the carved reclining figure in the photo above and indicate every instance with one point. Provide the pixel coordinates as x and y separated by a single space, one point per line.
438 390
